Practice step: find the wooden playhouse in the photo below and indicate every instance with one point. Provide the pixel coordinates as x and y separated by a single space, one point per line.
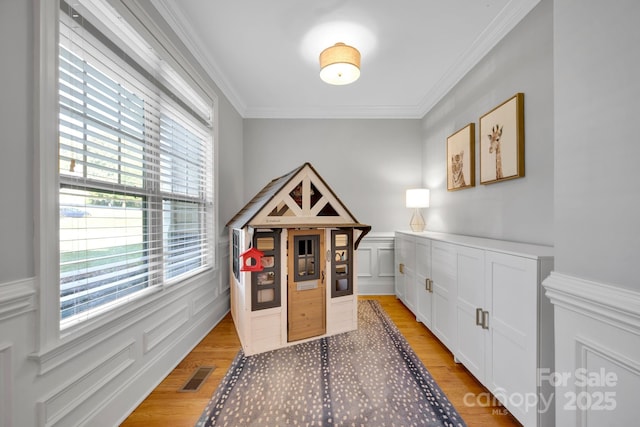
293 263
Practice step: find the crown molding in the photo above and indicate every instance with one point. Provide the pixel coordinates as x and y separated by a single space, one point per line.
504 22
334 112
178 23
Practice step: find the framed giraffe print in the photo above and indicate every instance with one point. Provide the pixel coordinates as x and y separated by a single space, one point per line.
461 158
502 141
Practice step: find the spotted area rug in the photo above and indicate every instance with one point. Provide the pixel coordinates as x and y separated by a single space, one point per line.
367 377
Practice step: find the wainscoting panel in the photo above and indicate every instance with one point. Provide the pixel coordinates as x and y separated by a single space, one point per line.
224 258
6 385
59 406
597 352
375 264
160 331
17 298
201 301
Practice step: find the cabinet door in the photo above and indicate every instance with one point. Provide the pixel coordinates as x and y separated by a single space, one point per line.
471 311
443 274
423 274
407 288
410 291
513 283
400 252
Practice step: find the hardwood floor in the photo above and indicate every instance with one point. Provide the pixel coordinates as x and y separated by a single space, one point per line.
166 406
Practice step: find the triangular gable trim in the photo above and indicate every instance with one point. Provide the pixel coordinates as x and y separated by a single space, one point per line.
304 211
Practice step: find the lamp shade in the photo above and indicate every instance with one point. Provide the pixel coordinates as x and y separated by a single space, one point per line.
418 198
340 64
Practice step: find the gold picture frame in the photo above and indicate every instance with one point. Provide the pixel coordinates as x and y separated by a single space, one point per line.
502 141
461 158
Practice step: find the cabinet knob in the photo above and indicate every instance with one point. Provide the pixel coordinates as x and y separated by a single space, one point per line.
401 268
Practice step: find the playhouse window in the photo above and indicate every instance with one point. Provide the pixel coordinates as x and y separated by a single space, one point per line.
306 258
341 263
265 284
236 254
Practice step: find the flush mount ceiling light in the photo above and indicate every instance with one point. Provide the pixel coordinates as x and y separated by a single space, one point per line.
340 64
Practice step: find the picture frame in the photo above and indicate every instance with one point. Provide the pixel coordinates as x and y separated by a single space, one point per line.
461 158
502 141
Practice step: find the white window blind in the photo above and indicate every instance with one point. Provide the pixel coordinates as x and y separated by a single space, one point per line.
135 172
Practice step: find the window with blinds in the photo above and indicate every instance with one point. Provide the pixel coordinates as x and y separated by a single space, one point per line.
135 174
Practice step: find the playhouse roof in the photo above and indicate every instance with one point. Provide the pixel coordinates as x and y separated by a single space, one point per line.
300 198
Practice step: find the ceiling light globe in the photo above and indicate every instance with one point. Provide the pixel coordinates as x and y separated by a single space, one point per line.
340 64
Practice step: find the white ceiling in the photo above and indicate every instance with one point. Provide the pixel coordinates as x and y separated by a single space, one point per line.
263 54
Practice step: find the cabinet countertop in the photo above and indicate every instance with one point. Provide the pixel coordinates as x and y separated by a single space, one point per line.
526 250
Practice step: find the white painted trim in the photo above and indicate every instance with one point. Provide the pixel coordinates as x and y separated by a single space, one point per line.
368 253
46 241
388 273
585 346
17 298
613 305
506 20
379 236
376 280
179 24
112 324
70 395
172 322
336 112
6 386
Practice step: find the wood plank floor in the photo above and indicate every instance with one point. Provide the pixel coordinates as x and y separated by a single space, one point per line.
165 406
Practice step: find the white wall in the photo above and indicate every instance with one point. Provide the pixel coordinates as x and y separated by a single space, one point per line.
519 209
96 378
368 163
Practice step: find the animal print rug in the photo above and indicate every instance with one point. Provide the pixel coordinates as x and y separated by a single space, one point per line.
367 377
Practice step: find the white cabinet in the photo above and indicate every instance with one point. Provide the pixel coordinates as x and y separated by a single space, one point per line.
405 273
518 333
443 286
472 311
429 292
424 284
484 300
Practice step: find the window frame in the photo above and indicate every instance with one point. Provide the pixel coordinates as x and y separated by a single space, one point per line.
47 183
275 269
314 241
348 263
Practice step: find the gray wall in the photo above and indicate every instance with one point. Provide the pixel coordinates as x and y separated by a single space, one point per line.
519 209
368 163
597 88
16 111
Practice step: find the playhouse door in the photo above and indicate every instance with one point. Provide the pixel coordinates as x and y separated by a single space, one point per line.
306 284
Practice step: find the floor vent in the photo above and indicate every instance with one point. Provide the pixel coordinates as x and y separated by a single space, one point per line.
197 379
